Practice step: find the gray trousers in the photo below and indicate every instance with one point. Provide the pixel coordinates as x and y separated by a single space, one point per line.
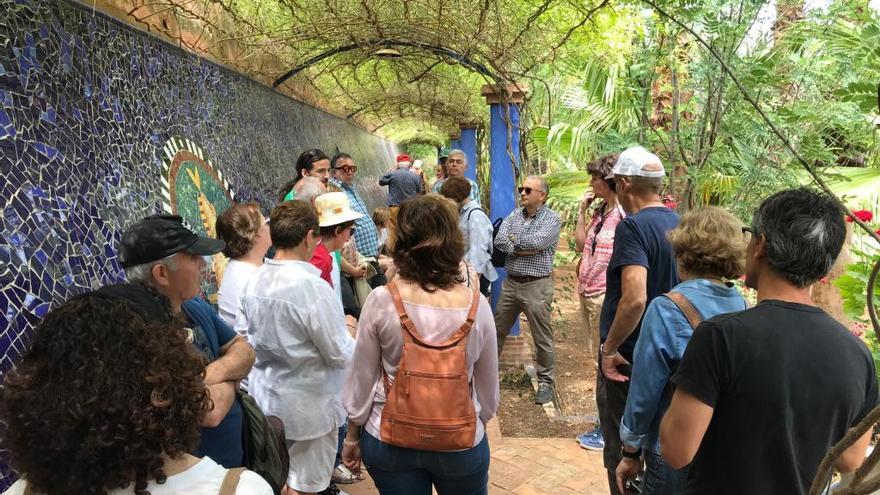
534 299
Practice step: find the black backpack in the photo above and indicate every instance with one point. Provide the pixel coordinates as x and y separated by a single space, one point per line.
265 450
499 257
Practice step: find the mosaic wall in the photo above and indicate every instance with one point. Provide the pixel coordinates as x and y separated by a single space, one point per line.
101 125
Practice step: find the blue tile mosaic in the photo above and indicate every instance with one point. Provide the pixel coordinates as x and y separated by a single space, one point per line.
88 110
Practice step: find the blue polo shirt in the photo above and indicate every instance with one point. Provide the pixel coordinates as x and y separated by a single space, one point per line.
222 442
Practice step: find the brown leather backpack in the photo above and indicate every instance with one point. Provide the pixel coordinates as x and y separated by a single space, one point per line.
429 406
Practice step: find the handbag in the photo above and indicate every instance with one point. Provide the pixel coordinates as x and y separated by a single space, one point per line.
265 449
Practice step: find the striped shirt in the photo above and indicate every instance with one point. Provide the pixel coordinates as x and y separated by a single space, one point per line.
537 233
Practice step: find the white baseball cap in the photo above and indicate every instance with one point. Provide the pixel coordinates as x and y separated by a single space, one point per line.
637 162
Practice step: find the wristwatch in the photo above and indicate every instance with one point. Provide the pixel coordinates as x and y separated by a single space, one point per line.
603 353
630 455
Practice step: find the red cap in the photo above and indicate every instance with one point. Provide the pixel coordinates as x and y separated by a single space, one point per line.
403 158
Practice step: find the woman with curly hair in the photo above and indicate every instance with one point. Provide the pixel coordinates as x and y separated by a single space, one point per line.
432 295
105 403
709 246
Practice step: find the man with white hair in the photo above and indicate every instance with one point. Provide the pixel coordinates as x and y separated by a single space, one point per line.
164 254
456 165
402 183
642 267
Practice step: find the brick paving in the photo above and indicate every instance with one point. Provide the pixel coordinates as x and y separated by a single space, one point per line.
533 466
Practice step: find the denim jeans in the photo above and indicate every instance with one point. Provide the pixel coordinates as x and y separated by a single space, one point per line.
400 471
660 479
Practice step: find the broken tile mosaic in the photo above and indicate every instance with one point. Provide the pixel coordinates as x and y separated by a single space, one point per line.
88 107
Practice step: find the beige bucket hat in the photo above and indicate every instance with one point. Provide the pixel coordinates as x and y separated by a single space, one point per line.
333 209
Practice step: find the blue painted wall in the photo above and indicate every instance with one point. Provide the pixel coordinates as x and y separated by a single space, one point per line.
502 183
86 106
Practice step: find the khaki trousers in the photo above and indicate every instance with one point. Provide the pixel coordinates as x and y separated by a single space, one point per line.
591 308
534 299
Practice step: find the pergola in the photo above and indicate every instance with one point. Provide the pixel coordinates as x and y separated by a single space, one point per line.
388 65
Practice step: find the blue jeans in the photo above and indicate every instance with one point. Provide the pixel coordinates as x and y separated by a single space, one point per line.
660 479
399 471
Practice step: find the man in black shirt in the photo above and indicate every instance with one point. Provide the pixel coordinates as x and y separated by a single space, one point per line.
763 394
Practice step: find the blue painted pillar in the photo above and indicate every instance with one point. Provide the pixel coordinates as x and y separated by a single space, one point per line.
468 143
504 105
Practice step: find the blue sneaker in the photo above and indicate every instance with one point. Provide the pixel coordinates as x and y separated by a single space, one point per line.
592 440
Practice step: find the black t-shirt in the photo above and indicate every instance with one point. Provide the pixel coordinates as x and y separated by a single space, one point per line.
786 381
639 239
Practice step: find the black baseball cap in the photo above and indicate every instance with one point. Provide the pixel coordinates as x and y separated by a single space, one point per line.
160 236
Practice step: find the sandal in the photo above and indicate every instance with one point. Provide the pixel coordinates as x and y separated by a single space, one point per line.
343 476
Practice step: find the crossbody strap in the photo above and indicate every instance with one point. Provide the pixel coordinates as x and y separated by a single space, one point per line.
230 481
410 328
686 307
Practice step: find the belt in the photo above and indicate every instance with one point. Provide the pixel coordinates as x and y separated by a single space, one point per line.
525 278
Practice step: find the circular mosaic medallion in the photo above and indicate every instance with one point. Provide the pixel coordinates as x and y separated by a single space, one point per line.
195 189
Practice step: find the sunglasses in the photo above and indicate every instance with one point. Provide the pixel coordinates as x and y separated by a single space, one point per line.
348 169
526 190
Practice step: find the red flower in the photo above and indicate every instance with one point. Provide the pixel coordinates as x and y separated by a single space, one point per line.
863 215
670 202
877 231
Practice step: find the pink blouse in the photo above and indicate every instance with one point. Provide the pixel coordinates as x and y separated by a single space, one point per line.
594 264
380 342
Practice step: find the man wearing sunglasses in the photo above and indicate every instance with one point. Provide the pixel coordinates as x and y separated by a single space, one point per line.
366 238
529 236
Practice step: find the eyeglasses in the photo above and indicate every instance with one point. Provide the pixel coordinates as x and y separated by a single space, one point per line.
527 190
348 169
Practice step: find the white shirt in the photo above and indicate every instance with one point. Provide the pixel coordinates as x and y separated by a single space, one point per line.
294 322
204 478
235 276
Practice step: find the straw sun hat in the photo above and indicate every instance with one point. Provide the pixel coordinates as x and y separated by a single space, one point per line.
333 209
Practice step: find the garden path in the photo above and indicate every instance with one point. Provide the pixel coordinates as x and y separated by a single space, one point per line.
532 466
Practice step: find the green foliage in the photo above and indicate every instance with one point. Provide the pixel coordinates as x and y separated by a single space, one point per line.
815 77
853 285
853 290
